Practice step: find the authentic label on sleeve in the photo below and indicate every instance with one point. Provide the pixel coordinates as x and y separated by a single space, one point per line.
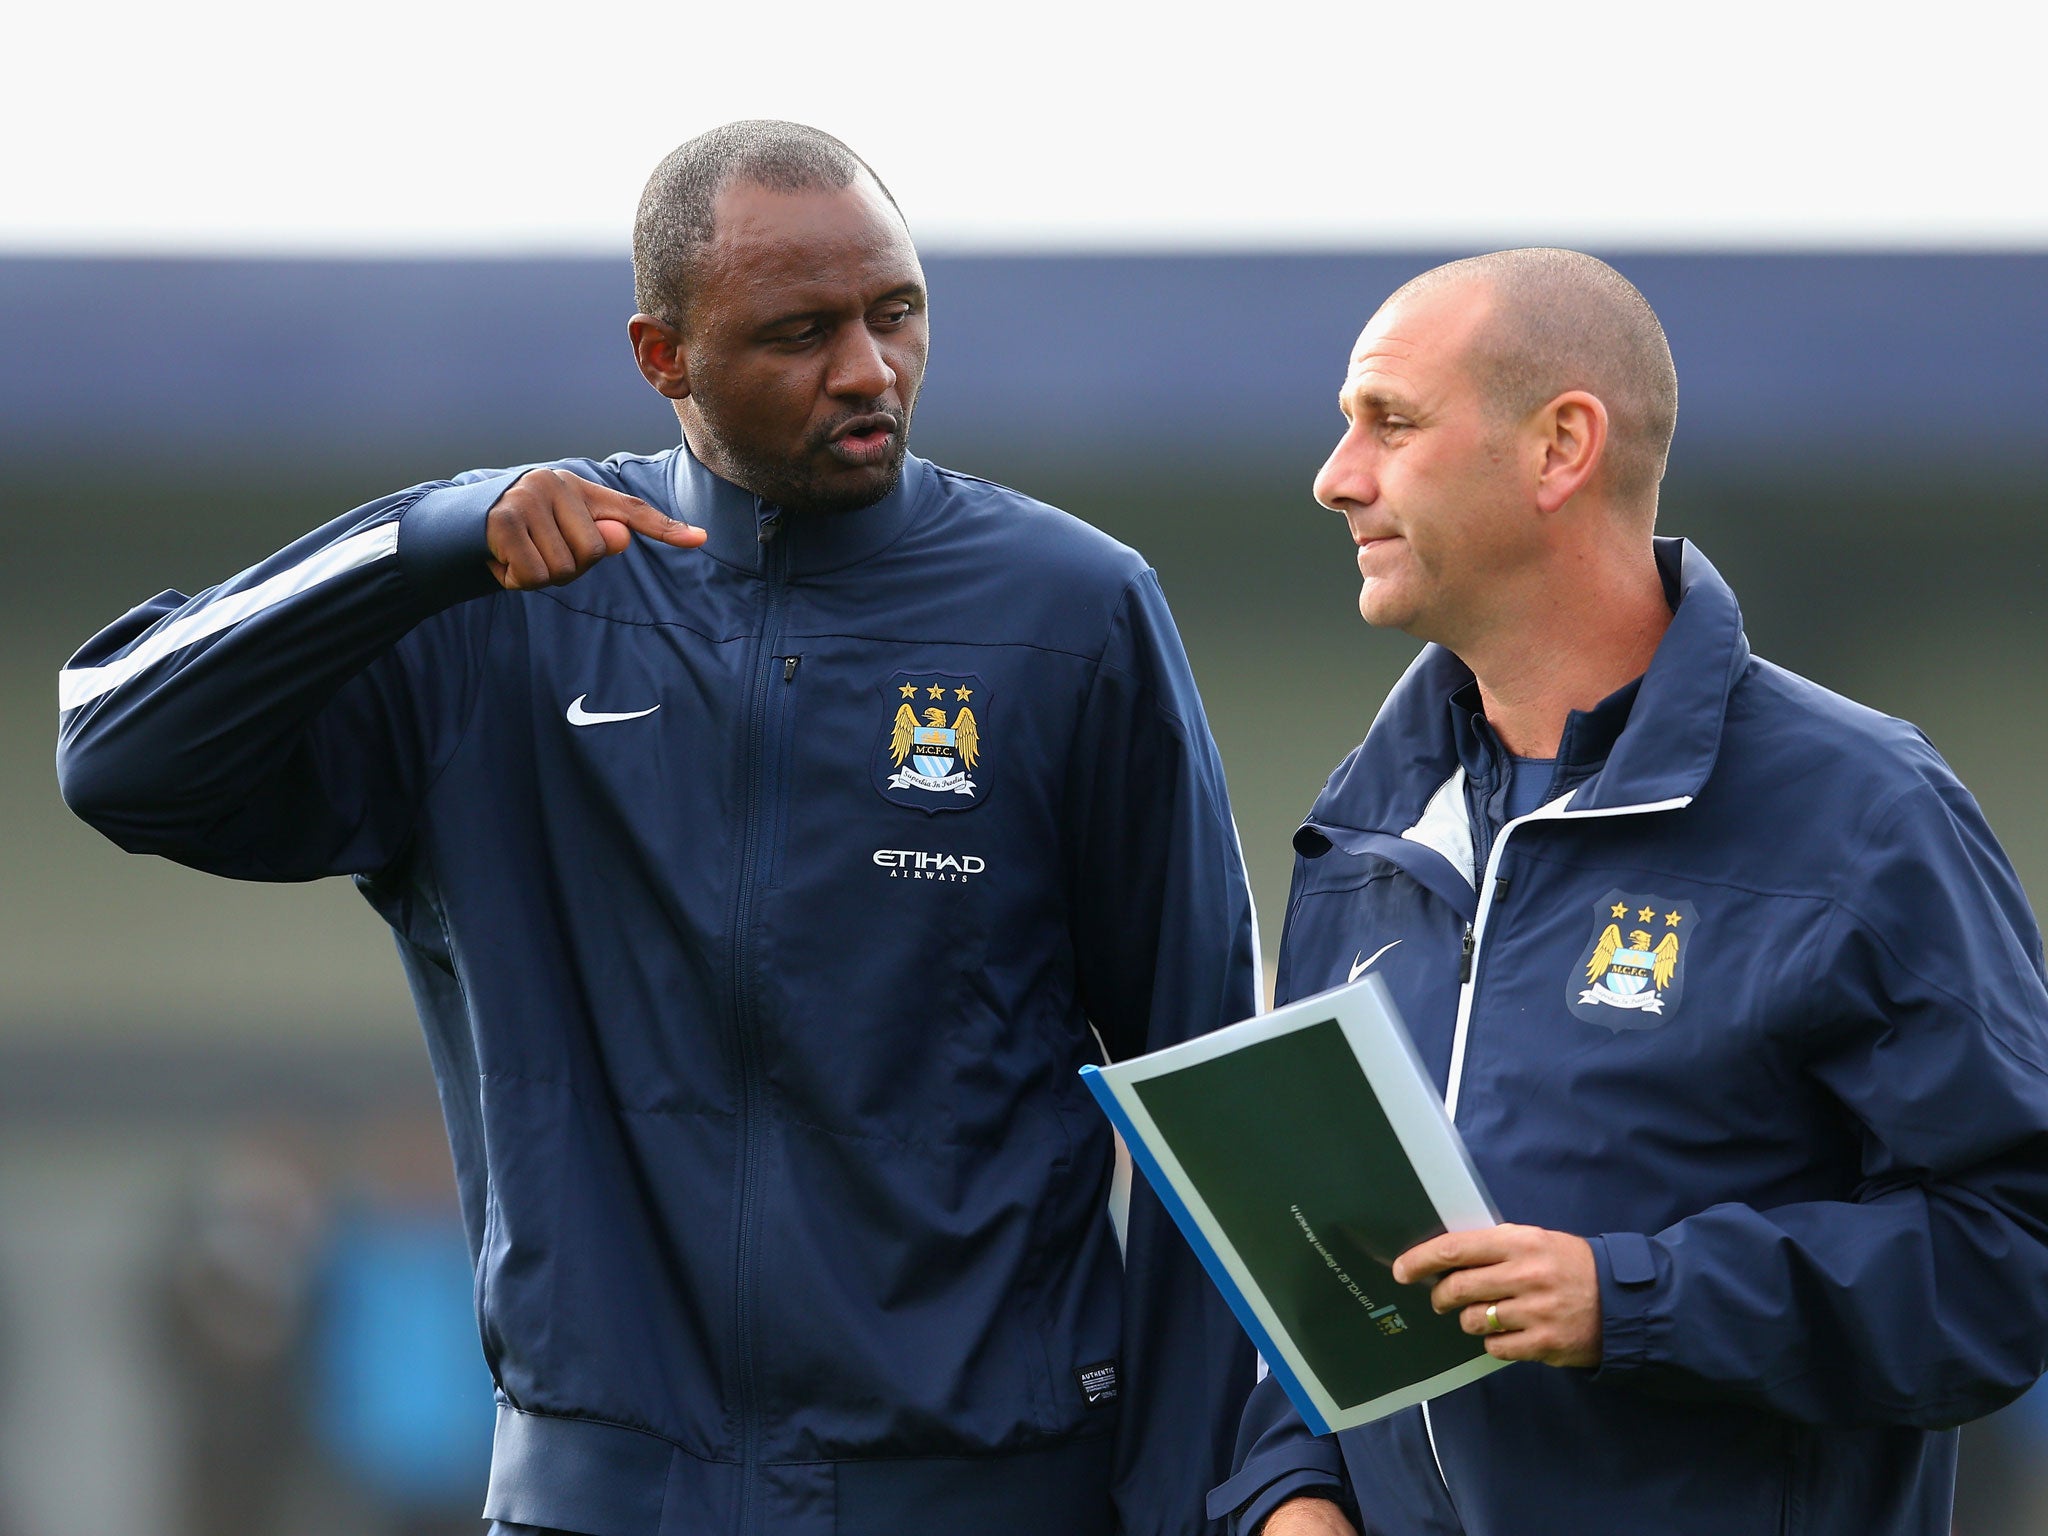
1098 1382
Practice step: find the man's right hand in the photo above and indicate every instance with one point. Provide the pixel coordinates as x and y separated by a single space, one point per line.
552 526
1307 1516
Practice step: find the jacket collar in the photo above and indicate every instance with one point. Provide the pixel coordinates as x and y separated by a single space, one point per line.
1589 736
735 520
1665 749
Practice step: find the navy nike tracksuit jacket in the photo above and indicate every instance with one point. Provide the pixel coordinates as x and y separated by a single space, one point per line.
1754 1004
761 903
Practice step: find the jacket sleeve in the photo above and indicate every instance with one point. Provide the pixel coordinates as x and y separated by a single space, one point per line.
272 728
1165 950
1922 1299
1278 1459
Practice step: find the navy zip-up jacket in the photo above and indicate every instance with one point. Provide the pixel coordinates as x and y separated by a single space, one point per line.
761 903
1754 1004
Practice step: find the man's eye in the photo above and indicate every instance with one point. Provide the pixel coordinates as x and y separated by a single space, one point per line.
895 314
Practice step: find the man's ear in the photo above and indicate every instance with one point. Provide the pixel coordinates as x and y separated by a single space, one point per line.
658 348
1572 431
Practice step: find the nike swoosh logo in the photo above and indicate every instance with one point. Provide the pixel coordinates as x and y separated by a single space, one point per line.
1359 967
578 715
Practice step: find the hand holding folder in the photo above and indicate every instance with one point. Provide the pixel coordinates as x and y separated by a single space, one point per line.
1302 1152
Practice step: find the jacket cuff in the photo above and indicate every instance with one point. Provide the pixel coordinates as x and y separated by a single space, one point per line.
441 544
1293 1485
1266 1482
1630 1320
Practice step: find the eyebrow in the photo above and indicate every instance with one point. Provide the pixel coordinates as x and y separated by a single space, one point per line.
1379 401
906 291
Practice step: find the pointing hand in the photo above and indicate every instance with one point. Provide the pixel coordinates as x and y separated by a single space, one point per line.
552 526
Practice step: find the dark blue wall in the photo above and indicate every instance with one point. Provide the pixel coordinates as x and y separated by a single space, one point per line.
1893 359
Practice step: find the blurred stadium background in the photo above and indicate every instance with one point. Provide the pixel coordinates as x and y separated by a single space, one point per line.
233 1299
259 264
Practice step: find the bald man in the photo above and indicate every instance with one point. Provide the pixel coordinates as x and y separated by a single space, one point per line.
1727 985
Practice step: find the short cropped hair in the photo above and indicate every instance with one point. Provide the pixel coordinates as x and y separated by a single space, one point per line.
676 216
1564 320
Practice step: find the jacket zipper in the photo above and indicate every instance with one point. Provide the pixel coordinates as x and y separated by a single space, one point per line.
1491 890
763 666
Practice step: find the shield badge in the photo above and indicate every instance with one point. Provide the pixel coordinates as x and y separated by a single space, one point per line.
1632 973
932 749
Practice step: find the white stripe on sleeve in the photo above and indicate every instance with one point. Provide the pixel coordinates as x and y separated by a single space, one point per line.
81 685
1262 1000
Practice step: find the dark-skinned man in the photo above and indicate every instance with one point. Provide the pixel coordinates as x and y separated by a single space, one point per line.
772 827
1727 985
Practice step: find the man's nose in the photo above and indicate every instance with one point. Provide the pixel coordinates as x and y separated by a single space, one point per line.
1348 477
859 370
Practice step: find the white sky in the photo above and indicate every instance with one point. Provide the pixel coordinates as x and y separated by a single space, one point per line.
424 126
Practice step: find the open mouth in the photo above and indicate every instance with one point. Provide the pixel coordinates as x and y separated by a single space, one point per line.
863 439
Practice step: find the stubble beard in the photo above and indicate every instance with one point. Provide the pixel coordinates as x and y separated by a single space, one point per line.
791 484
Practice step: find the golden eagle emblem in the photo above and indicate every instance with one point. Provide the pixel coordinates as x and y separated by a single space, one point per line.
931 745
966 735
1663 959
1632 967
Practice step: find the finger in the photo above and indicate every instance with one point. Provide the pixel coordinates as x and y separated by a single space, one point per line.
1540 1342
584 537
524 570
505 529
1451 1250
1466 1287
605 504
1473 1319
1519 1344
553 547
1423 1260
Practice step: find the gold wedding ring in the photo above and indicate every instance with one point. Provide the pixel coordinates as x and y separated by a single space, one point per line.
1493 1322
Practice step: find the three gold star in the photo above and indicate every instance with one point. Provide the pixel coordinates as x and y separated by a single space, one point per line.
935 690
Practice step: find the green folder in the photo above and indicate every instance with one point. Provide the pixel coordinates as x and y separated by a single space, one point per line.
1301 1152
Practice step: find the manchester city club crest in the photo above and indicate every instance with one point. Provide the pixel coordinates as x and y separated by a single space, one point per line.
931 749
1632 974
